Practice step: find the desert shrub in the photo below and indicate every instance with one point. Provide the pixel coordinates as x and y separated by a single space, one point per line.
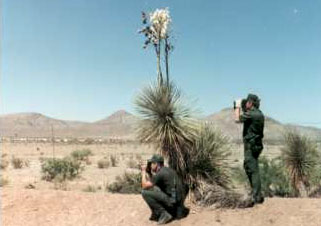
113 160
3 182
4 164
60 169
103 164
129 183
81 155
302 161
30 186
131 163
274 178
90 188
18 163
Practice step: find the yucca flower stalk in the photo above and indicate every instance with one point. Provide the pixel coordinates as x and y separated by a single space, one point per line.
156 29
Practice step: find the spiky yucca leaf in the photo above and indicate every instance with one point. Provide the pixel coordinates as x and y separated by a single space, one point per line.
300 157
166 122
209 157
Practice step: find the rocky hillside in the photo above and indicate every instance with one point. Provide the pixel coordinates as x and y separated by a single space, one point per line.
122 124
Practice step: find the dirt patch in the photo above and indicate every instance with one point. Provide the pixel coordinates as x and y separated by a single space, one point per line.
51 207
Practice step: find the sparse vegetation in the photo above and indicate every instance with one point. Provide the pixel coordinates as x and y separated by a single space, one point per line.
113 160
18 163
103 164
30 186
90 188
274 179
3 181
131 163
60 169
4 164
139 157
129 183
81 155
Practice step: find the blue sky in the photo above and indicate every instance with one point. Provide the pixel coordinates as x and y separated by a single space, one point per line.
83 60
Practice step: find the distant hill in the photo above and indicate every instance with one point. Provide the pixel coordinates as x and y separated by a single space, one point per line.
122 124
35 125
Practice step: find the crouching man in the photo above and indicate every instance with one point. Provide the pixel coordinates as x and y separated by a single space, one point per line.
164 193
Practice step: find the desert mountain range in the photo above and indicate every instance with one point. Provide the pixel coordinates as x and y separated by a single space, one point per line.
122 124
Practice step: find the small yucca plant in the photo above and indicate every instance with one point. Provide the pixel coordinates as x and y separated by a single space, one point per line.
166 122
301 158
209 157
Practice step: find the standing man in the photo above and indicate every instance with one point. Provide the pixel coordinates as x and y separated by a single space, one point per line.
164 193
253 126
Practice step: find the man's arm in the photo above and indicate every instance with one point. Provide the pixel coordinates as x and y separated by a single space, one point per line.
145 183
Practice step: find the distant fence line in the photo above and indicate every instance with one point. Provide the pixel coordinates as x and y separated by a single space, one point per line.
107 140
68 140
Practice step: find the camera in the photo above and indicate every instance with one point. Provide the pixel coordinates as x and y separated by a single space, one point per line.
149 168
240 103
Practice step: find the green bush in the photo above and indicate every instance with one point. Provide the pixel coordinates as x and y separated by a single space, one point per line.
129 183
274 178
81 155
66 168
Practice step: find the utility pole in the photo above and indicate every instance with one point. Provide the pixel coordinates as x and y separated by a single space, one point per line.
53 141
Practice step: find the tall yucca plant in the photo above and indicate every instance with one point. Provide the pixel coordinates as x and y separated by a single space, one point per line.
300 157
166 122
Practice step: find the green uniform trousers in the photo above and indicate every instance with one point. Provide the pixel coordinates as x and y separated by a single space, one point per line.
251 167
157 201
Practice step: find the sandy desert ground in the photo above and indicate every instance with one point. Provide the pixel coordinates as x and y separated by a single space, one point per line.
71 205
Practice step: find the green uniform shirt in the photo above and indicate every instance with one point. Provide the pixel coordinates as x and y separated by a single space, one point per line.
167 179
253 125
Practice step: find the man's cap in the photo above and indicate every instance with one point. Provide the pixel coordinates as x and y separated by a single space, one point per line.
157 159
252 97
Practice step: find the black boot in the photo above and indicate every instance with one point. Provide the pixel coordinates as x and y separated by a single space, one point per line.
164 218
153 217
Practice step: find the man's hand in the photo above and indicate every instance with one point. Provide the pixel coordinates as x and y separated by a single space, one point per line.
143 166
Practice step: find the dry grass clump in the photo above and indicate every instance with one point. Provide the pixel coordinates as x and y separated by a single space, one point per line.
90 188
18 163
133 164
3 182
113 160
4 164
103 164
213 195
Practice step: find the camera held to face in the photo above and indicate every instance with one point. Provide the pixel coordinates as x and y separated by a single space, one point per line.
240 103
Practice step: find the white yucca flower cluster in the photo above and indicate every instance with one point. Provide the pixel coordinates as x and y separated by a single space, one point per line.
160 21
